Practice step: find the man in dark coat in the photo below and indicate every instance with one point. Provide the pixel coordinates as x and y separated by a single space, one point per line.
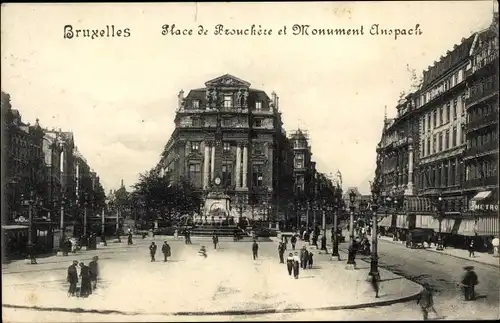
86 286
469 281
72 278
129 240
323 244
152 251
289 263
293 240
281 252
304 257
166 251
255 249
215 240
94 271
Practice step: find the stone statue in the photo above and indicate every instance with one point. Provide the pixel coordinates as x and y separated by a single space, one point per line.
238 98
245 97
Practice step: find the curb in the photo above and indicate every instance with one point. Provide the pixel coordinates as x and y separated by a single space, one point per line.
454 256
223 312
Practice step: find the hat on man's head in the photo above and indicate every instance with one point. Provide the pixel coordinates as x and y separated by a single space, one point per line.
469 267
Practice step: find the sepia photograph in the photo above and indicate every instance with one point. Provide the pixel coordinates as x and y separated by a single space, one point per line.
250 161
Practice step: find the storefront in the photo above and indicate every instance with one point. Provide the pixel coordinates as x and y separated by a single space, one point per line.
15 239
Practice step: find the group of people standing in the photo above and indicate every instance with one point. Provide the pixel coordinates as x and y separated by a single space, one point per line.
295 260
88 275
165 249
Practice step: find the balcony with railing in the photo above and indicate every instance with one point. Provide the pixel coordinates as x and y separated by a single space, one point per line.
482 92
484 61
481 182
481 122
482 150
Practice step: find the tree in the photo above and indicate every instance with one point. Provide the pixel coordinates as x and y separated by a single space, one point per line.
159 198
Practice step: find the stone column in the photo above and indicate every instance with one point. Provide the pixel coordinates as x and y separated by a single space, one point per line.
238 165
245 165
212 165
410 169
206 166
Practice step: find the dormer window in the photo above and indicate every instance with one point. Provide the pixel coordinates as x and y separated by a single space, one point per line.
258 106
196 104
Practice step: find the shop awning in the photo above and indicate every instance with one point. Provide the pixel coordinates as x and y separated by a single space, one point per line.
424 222
467 228
14 227
481 196
488 226
402 222
385 222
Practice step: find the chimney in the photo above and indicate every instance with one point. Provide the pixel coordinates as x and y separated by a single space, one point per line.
277 102
122 184
273 98
180 98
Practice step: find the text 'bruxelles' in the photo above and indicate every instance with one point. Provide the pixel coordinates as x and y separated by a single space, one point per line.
109 31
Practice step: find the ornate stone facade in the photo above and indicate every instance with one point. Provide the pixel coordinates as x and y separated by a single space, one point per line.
228 138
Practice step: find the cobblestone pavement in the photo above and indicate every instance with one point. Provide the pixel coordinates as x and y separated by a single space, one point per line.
228 279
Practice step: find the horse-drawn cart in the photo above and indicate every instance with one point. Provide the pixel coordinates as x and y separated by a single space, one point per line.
417 237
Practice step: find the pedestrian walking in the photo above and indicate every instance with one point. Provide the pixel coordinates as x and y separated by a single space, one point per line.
304 257
281 252
323 244
285 241
472 247
426 302
86 286
289 263
293 240
94 271
176 234
310 260
189 237
469 281
129 240
165 249
152 251
215 240
296 265
72 278
255 250
375 284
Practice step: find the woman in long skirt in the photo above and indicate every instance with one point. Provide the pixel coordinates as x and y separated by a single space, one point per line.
296 265
289 263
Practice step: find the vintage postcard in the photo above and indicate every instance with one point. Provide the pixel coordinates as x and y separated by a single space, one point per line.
292 161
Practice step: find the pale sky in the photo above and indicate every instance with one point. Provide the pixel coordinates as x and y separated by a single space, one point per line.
119 95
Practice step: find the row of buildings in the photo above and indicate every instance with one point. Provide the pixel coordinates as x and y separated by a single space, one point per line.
45 175
438 158
229 141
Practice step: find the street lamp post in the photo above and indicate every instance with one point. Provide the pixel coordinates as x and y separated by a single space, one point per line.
394 227
335 247
374 255
440 219
352 199
31 257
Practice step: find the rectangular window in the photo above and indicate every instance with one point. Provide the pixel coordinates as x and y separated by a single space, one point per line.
447 140
454 137
226 122
434 122
422 148
428 122
227 172
434 142
226 146
195 122
257 123
448 112
440 141
258 148
441 112
258 105
195 146
196 104
228 101
195 174
258 175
